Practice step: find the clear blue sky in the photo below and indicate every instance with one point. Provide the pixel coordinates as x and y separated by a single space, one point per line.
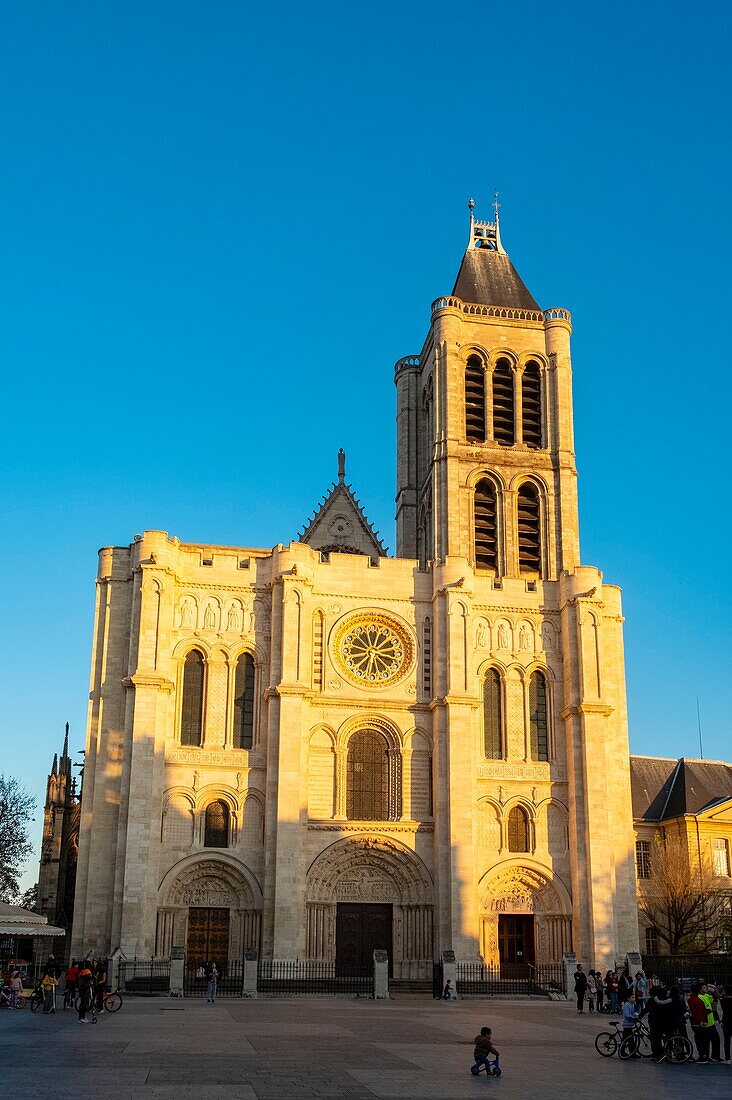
221 225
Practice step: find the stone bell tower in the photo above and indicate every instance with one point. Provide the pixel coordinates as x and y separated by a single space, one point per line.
491 391
528 690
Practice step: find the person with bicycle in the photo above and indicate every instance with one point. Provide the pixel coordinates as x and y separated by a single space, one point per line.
100 984
72 974
85 983
658 1008
484 1047
630 1019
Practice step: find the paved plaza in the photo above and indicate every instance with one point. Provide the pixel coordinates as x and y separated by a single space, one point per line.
262 1050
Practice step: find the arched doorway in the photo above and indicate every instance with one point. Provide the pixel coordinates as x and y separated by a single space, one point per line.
366 892
526 917
210 906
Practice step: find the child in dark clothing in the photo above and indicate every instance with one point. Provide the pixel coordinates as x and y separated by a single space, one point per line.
483 1047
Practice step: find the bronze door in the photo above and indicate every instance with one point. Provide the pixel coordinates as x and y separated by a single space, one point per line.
208 936
515 945
361 930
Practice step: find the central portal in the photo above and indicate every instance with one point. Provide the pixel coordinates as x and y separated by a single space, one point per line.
360 930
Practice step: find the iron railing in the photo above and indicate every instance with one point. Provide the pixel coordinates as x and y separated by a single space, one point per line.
288 976
507 979
144 975
685 970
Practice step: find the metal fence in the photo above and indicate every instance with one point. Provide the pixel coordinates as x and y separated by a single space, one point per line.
228 984
306 976
477 979
685 970
144 975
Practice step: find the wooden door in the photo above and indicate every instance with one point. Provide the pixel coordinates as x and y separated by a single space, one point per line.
515 945
360 930
208 936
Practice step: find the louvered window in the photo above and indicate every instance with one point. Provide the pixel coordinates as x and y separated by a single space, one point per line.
518 830
538 717
529 529
191 712
318 651
427 658
492 716
244 702
503 429
475 400
486 526
531 405
216 834
367 777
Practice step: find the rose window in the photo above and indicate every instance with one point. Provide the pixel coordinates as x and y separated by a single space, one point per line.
373 650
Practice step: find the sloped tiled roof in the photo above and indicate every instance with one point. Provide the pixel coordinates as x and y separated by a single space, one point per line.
489 278
664 789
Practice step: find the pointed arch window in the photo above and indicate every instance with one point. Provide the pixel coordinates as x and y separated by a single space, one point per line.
503 403
538 721
486 526
492 715
191 713
216 830
243 737
531 405
475 400
529 529
367 777
518 830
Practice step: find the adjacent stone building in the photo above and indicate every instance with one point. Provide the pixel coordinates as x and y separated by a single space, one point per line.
59 845
318 749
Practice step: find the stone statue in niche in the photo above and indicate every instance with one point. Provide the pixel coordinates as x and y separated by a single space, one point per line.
503 640
235 619
524 637
546 636
209 618
481 635
187 613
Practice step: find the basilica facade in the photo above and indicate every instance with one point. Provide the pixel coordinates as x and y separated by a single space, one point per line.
317 749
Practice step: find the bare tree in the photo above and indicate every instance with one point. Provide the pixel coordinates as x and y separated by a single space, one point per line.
682 899
16 813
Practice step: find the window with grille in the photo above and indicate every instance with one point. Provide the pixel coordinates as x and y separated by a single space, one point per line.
503 429
318 651
643 858
427 658
538 717
493 715
531 405
720 851
216 832
651 941
244 702
486 526
529 529
367 777
475 400
191 711
518 830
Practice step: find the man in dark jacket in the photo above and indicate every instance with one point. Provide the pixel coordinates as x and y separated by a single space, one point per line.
580 987
659 1008
484 1047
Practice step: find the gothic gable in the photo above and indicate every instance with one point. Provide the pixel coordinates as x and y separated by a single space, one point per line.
339 524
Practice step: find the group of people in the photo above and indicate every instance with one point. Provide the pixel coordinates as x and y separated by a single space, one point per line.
88 978
609 993
667 1010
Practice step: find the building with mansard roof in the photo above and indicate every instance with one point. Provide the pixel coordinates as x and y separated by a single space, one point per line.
318 749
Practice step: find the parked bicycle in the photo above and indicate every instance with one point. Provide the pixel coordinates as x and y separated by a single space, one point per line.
5 998
112 1002
607 1042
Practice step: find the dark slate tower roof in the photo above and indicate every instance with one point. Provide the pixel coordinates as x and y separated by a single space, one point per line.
664 789
489 278
486 276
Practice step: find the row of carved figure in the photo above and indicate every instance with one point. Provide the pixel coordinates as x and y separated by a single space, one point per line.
236 617
502 636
